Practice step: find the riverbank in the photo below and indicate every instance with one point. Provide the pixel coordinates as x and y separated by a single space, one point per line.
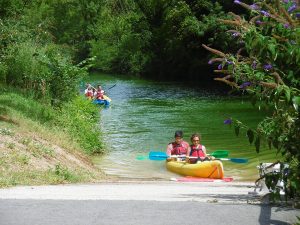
43 144
33 154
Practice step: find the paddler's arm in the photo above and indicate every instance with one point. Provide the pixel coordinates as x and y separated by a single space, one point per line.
208 156
187 158
168 152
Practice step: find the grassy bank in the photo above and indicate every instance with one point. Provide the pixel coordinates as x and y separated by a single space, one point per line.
42 145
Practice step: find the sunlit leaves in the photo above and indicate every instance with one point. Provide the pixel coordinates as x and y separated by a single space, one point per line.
296 102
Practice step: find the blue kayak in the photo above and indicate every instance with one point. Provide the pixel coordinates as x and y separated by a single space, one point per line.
101 102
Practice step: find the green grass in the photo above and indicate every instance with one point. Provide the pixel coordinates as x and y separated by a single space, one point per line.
79 118
37 141
50 176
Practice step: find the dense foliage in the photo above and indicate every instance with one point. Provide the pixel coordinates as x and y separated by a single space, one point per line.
148 38
157 38
44 69
267 66
39 63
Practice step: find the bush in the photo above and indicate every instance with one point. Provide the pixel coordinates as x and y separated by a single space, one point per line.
267 66
79 118
42 68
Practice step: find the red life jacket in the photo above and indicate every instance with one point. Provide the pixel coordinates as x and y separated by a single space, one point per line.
89 93
99 95
197 152
178 149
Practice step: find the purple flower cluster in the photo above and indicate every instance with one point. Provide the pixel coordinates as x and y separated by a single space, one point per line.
268 67
292 8
228 121
237 2
254 64
254 6
236 34
220 66
265 13
245 85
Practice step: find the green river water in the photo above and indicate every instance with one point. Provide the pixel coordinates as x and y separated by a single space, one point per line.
144 115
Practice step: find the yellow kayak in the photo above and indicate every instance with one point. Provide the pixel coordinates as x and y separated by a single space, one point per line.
207 169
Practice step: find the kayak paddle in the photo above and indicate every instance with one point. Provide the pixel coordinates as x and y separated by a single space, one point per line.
111 87
142 157
235 160
219 155
157 155
153 155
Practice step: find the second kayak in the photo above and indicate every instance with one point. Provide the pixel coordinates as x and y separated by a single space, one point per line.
105 101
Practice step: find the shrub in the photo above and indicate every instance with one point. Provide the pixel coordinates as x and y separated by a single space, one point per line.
267 66
80 118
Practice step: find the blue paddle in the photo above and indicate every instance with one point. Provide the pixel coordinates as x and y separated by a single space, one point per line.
235 160
157 156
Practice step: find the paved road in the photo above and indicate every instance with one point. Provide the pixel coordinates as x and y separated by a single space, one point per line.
140 203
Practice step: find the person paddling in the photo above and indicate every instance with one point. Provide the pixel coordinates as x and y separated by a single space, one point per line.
89 92
178 146
99 94
196 152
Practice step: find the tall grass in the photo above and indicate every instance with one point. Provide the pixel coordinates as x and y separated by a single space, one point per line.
78 118
27 107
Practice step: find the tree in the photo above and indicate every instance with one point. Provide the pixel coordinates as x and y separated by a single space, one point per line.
267 66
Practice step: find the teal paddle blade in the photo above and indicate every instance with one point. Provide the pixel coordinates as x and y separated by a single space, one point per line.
142 157
235 160
157 156
239 160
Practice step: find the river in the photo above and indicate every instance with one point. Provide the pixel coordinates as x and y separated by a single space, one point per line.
144 115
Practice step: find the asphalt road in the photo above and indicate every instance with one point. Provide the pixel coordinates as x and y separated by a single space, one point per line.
140 203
